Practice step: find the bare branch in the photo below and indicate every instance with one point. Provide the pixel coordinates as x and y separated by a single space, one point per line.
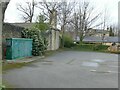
28 10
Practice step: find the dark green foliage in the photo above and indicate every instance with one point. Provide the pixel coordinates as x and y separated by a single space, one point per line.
99 47
68 42
41 25
91 47
39 42
38 34
84 47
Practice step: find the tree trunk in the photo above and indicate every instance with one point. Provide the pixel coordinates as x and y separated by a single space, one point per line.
81 37
63 32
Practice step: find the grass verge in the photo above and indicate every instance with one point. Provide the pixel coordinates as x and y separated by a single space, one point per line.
91 48
8 66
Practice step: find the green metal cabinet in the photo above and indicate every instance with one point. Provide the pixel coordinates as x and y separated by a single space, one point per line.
18 48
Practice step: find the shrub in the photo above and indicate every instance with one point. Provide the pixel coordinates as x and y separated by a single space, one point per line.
85 47
39 42
91 47
68 42
99 47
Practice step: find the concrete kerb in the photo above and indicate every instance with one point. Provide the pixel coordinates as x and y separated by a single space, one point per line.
24 60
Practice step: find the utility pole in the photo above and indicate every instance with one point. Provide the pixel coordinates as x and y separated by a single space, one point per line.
3 6
0 42
118 35
1 29
119 19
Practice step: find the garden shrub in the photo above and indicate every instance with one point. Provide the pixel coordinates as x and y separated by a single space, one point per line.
85 47
91 47
68 42
39 42
99 47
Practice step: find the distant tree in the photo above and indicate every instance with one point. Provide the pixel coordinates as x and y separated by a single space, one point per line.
85 18
115 29
41 24
49 10
65 11
111 32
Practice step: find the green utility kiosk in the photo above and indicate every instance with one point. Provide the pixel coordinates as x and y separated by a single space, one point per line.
18 48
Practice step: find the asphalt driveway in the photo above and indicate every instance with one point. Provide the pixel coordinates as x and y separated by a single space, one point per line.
68 69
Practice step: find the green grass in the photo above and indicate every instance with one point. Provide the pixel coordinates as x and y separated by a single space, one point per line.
6 85
84 47
91 48
8 66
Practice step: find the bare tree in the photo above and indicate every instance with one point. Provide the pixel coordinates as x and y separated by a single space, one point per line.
104 25
84 19
66 10
115 29
50 10
28 10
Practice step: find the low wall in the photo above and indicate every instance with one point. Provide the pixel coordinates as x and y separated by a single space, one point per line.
12 31
53 40
9 31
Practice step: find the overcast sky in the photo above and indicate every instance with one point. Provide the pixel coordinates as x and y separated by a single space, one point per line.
13 15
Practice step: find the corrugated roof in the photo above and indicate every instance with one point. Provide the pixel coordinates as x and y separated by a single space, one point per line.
99 39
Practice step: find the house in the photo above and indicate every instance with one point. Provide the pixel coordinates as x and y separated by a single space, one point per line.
98 32
91 32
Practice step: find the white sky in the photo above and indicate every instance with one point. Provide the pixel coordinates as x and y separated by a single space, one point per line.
13 15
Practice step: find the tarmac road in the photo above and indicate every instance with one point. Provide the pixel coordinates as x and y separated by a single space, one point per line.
68 69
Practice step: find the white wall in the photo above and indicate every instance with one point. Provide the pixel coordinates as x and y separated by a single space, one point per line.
53 40
57 40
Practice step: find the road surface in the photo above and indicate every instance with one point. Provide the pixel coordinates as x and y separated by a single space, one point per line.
68 69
